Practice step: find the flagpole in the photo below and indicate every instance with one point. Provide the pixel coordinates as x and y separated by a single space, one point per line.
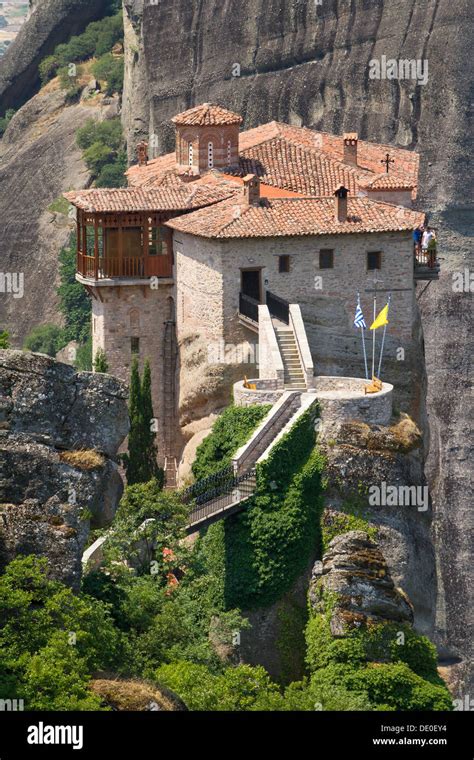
383 339
363 342
374 331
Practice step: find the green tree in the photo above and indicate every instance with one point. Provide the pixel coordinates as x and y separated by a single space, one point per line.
51 639
100 362
140 462
84 356
45 339
74 302
110 69
4 339
5 121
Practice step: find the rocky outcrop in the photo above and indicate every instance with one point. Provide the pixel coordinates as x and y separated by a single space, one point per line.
363 462
50 23
59 432
355 573
39 159
136 696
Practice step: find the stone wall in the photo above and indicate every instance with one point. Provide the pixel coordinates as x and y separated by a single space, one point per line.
342 399
266 393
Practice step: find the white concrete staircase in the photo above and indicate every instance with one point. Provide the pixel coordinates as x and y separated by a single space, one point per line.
294 378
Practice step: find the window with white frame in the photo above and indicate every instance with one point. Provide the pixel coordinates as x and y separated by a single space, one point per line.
229 152
190 154
210 155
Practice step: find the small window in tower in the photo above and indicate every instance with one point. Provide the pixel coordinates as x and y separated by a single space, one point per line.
326 258
190 154
135 346
229 152
210 155
283 263
374 260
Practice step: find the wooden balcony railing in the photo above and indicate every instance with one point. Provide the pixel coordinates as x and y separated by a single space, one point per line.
134 267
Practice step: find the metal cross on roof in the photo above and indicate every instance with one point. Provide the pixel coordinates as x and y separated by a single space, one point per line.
387 161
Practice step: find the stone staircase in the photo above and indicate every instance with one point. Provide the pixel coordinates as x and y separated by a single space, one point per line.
294 376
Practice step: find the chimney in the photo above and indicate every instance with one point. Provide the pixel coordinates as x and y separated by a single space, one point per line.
341 204
350 148
252 189
142 153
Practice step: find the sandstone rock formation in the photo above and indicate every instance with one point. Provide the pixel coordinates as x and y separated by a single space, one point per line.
59 432
355 570
50 23
365 456
39 159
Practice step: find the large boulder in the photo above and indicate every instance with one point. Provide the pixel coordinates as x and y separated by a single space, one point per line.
59 432
354 572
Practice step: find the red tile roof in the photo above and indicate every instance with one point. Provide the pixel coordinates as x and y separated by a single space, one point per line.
207 115
282 217
300 160
163 198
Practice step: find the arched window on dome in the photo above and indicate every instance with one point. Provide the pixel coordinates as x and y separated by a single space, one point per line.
229 152
190 154
210 155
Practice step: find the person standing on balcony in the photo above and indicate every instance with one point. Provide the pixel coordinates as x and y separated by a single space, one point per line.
428 245
417 236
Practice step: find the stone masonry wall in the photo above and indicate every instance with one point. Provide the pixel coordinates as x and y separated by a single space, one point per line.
134 311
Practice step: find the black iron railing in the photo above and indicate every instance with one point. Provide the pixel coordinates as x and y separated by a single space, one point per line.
214 502
278 307
248 306
206 488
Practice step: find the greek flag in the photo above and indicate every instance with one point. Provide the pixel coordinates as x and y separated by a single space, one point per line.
359 320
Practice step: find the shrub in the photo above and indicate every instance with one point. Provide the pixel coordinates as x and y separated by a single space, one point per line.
74 303
111 70
237 689
230 431
5 121
4 339
48 68
100 362
45 339
50 639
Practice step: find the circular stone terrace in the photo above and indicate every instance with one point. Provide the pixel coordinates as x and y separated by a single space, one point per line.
341 399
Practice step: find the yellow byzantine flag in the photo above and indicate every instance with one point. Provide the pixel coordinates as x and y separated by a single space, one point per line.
381 319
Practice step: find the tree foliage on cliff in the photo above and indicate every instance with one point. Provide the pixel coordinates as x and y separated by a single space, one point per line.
103 150
98 39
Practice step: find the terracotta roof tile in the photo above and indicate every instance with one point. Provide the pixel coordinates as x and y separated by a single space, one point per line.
284 217
163 198
207 115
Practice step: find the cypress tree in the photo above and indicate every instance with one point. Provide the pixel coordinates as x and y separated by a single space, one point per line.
133 460
140 462
151 469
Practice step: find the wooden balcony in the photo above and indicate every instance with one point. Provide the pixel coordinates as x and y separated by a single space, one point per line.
131 267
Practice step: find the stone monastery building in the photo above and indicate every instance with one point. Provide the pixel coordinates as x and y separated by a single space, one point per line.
245 239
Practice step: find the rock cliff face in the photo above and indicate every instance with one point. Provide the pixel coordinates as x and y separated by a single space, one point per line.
39 159
355 570
50 23
59 432
304 63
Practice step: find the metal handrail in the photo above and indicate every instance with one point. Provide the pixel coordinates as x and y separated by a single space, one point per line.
248 306
278 307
